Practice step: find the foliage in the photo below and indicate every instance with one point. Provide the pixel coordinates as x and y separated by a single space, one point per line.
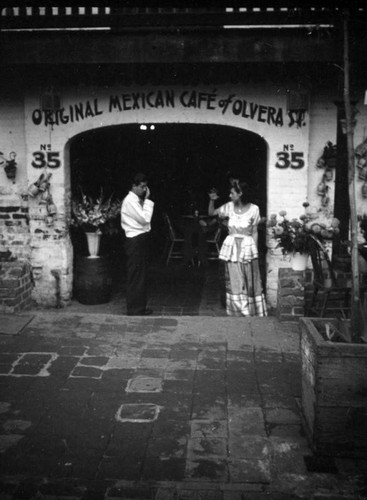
94 215
295 235
363 225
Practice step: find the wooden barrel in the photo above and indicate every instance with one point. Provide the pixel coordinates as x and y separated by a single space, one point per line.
92 280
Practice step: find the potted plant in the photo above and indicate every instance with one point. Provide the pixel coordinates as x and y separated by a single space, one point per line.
294 235
93 216
362 248
93 275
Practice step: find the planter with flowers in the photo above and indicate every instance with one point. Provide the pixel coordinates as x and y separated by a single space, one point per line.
362 247
94 216
93 274
295 235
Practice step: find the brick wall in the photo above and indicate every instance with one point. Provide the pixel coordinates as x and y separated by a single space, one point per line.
14 230
295 291
291 294
15 286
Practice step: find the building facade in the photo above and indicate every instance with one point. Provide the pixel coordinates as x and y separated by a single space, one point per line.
276 80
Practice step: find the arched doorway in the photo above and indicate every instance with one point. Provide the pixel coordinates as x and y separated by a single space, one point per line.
182 161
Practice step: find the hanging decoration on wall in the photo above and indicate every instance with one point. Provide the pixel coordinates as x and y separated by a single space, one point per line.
327 161
10 166
328 157
41 188
361 164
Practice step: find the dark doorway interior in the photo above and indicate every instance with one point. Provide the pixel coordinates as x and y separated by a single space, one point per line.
182 162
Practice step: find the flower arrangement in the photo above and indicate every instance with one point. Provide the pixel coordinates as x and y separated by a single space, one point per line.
363 225
295 235
93 215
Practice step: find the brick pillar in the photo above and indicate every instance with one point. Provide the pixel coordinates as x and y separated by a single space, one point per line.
15 286
290 294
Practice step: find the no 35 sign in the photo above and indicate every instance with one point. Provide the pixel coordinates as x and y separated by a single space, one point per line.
288 158
42 159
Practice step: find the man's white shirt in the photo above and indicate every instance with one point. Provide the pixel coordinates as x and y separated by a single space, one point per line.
136 215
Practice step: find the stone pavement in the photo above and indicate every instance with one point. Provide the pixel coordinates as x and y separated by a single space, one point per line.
101 406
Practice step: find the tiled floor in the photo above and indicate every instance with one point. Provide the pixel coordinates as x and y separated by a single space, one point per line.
173 290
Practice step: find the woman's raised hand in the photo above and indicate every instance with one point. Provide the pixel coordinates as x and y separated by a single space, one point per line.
213 194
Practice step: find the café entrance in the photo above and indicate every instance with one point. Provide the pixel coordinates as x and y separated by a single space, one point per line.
182 161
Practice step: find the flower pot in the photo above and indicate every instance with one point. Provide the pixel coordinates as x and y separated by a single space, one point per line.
92 280
333 401
49 220
93 241
33 190
51 209
299 261
362 258
331 162
10 170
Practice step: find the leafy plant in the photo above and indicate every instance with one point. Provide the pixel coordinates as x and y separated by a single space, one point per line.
94 215
363 225
295 235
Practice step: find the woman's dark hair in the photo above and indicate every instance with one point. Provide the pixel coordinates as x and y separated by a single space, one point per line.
138 178
243 188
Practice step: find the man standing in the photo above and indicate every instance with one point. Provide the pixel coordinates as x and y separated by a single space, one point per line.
136 215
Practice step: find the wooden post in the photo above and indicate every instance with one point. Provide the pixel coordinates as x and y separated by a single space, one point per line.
356 313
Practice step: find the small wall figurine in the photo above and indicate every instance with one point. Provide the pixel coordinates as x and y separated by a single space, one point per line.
10 165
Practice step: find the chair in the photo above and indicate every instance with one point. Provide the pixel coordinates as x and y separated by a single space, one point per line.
213 244
175 242
334 296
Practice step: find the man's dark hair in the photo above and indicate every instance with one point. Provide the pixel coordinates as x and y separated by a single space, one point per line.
138 178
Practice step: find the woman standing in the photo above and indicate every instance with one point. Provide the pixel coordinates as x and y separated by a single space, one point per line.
244 295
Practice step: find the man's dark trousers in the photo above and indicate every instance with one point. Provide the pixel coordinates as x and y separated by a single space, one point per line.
136 255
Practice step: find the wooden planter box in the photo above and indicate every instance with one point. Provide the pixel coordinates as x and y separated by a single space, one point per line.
334 392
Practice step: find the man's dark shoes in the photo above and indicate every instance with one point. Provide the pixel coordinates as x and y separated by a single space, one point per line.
148 312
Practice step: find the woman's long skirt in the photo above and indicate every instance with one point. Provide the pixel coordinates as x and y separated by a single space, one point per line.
244 295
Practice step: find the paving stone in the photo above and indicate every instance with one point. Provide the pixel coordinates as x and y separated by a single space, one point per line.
206 447
281 416
245 421
210 363
166 447
157 469
86 372
214 470
137 413
209 429
185 375
165 493
115 468
251 400
144 384
209 407
158 363
249 447
93 361
250 470
178 386
199 495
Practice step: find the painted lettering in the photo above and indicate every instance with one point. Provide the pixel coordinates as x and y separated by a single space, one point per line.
263 110
293 160
114 103
155 99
